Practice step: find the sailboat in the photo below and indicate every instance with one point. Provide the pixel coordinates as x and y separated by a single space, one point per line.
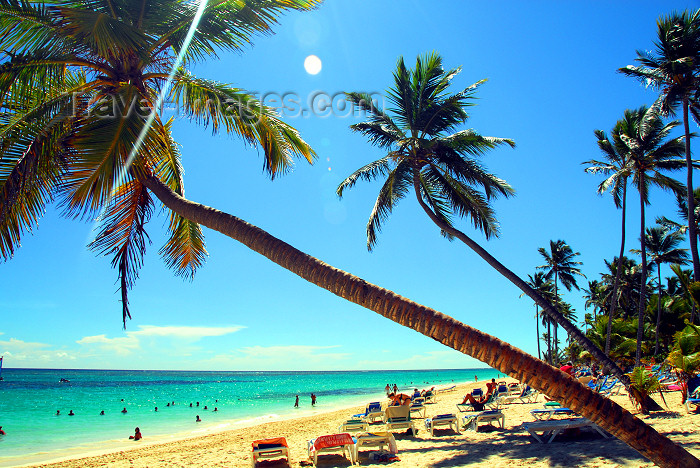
1 368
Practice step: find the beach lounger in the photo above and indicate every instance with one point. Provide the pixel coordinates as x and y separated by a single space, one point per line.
547 413
430 397
526 395
418 407
353 425
441 420
491 403
693 393
270 448
399 417
471 421
551 429
375 439
332 443
372 411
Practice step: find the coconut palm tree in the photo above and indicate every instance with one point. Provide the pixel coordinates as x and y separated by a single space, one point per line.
663 248
617 169
643 133
560 266
674 69
426 154
67 62
595 297
544 288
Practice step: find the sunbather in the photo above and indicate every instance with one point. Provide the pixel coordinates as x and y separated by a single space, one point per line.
477 404
400 399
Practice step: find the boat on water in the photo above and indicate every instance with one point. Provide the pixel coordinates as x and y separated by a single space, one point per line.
64 380
1 368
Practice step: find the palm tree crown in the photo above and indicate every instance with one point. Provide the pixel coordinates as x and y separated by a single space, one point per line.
425 151
560 264
79 95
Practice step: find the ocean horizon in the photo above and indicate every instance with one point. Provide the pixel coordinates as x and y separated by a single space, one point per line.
30 399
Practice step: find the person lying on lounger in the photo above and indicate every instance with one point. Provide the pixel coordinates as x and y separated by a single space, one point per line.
400 399
479 404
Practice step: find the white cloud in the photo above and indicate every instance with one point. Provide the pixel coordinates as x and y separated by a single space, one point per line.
191 333
30 353
122 346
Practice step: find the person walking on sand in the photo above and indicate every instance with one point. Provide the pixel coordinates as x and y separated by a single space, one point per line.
387 389
296 403
396 389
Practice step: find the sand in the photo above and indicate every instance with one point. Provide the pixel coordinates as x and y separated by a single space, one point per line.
490 446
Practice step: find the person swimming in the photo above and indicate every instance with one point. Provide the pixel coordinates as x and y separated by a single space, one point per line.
102 413
58 412
124 410
71 413
197 420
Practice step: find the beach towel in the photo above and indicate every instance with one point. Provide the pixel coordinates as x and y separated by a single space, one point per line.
333 440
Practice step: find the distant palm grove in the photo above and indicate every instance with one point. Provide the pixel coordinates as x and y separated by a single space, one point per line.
62 60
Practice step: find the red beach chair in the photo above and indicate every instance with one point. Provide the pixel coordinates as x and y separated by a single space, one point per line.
270 448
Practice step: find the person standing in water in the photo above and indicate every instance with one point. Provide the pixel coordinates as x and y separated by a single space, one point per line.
296 403
313 400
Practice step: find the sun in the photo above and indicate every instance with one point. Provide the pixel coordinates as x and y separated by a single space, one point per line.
312 65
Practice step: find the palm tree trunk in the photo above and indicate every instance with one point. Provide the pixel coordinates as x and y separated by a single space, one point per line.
549 340
642 287
553 314
658 312
614 298
448 331
692 234
556 335
537 322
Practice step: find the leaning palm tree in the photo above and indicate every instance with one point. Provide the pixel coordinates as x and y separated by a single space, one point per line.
674 69
617 169
662 248
643 133
560 266
69 59
428 156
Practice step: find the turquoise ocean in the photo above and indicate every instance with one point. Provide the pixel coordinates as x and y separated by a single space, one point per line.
29 399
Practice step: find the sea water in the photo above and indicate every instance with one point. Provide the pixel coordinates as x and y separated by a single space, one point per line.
30 398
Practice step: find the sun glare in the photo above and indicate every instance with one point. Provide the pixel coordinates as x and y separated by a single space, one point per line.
312 65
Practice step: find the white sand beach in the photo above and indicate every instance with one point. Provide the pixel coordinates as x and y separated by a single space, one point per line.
490 446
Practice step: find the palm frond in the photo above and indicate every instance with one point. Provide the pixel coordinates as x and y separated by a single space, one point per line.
369 172
221 106
123 235
396 186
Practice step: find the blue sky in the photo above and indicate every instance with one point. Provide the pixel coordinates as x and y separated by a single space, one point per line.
552 80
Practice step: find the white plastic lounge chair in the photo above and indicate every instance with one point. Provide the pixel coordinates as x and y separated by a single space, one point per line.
526 395
417 407
471 421
270 448
399 417
547 413
375 439
353 425
332 443
553 428
430 397
373 411
442 420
